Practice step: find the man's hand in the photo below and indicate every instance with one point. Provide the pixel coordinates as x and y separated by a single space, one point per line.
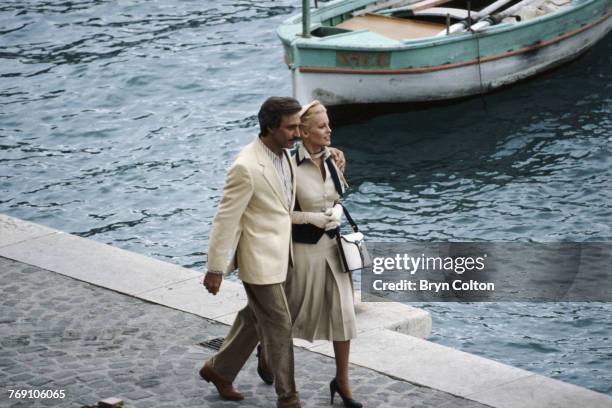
338 157
212 281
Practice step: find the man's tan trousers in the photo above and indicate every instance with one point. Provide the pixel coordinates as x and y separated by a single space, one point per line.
266 318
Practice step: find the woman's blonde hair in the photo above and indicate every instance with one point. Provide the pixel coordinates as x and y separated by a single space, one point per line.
309 111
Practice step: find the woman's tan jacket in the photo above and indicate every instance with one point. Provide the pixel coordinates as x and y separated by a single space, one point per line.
252 226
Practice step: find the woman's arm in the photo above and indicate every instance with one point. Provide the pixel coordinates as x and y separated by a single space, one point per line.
320 220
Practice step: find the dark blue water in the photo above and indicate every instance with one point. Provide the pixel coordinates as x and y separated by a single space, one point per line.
118 120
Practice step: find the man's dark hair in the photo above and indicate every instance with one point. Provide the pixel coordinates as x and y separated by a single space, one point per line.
272 111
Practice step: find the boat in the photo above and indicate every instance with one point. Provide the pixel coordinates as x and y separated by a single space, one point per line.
394 51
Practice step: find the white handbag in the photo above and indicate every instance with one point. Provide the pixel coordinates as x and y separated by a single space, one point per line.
352 248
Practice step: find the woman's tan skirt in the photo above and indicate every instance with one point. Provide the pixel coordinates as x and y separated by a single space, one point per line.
319 293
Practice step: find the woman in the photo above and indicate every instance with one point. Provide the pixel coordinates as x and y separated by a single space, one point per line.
319 292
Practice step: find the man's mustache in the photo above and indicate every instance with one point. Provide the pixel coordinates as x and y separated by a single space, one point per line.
295 139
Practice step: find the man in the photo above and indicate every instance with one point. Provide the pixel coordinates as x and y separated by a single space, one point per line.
254 220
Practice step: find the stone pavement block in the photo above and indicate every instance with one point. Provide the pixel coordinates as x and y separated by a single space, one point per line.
7 362
29 359
191 296
431 397
15 369
121 389
89 377
21 378
538 391
148 384
137 395
227 318
54 353
21 404
101 384
38 382
192 393
144 404
176 350
120 364
415 360
16 340
15 230
393 316
100 264
65 381
308 345
194 356
460 403
400 387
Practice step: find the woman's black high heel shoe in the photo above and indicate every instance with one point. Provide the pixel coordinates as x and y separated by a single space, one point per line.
348 402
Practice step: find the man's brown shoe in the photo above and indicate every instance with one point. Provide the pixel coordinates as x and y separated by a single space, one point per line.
224 387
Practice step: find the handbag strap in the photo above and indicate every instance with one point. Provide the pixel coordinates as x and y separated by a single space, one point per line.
334 175
350 219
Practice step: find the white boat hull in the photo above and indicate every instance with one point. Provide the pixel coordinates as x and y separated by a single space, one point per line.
439 84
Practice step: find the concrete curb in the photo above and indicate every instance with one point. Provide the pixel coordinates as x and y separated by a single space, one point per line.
382 343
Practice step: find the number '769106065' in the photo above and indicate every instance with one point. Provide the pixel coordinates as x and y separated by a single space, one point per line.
37 394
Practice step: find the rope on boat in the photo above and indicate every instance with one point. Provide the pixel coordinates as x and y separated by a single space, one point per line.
477 36
482 97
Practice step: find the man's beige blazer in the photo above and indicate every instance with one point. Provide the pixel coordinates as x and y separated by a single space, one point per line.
252 227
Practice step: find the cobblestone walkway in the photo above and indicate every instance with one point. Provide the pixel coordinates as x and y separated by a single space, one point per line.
57 333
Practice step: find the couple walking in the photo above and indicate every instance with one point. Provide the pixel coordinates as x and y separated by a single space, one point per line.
278 218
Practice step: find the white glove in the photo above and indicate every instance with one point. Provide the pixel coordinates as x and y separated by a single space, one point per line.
332 225
336 213
317 219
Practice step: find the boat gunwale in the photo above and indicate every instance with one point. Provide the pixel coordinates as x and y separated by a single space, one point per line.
503 28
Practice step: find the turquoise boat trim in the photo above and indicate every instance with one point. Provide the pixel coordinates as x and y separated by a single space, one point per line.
532 48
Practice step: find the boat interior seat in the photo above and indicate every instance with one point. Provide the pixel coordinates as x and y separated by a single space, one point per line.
391 27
